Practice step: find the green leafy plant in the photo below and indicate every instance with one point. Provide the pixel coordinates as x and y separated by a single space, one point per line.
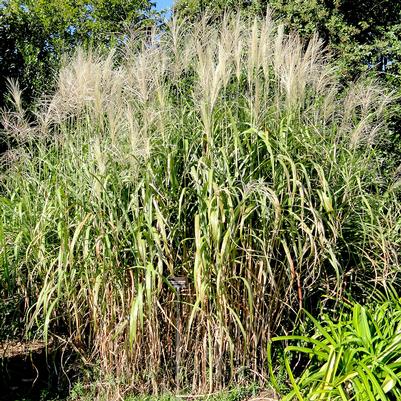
355 357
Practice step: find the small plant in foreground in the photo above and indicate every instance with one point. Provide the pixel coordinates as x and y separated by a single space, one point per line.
356 357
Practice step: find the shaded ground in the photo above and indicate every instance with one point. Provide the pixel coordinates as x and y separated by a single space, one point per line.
27 371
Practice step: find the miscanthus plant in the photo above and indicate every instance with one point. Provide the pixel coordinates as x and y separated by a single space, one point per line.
225 154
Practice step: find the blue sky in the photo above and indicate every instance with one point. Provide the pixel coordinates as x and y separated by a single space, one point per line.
160 4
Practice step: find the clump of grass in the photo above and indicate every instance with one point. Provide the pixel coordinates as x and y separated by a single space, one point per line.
226 154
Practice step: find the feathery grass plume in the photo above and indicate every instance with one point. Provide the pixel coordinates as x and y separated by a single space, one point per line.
231 163
16 126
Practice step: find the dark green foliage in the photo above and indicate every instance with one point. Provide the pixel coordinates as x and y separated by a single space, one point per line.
192 9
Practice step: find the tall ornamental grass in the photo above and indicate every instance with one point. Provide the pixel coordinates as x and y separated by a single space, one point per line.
227 154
